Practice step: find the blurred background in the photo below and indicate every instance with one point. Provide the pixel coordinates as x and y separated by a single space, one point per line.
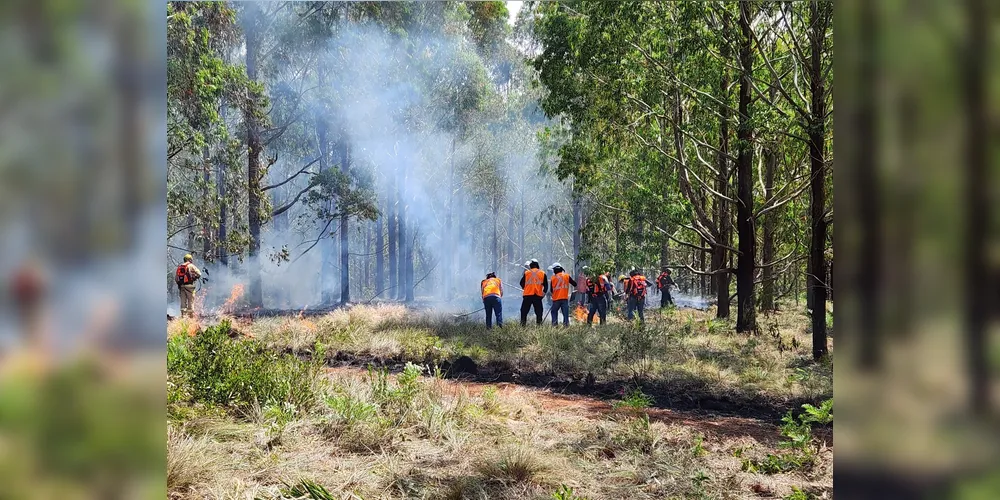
918 253
82 226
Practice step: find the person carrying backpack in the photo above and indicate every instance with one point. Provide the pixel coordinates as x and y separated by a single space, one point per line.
186 276
663 284
635 288
597 295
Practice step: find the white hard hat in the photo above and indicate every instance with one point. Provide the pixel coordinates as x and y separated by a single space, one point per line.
534 261
556 265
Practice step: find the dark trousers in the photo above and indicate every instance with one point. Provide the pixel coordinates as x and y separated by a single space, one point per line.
636 304
600 306
557 307
665 297
492 304
528 302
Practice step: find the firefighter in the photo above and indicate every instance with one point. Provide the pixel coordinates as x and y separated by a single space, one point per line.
635 289
597 291
561 281
492 289
663 284
186 276
535 285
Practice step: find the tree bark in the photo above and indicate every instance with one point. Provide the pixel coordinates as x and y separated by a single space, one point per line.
746 320
401 232
345 246
576 232
391 222
379 256
254 149
767 252
449 240
817 153
977 148
220 186
722 216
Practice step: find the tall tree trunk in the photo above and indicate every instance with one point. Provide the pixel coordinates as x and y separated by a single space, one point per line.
326 246
817 153
577 216
379 256
767 252
978 278
494 247
867 273
206 231
366 277
345 247
722 215
392 227
449 241
704 279
401 232
746 320
220 186
254 149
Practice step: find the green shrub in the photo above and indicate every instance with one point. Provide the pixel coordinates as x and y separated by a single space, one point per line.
566 493
634 399
237 373
797 494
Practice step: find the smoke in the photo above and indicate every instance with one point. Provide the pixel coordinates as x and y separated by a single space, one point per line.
394 99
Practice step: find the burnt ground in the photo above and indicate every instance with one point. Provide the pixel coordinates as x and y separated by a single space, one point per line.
672 401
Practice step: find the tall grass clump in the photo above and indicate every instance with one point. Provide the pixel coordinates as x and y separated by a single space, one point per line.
235 373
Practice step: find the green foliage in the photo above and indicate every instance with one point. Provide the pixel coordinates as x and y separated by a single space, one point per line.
698 449
637 435
798 439
634 399
797 494
306 489
237 373
566 493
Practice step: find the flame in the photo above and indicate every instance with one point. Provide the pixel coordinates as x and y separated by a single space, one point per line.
580 313
234 295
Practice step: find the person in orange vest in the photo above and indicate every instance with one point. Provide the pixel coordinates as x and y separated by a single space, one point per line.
635 289
663 283
535 285
186 276
561 281
492 289
597 291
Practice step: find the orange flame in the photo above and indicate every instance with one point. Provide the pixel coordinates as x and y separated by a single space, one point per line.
234 295
580 313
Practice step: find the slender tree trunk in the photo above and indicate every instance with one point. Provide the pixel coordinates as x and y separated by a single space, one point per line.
379 256
401 233
767 252
390 211
722 215
345 246
868 271
703 290
746 320
817 153
254 149
367 277
220 186
206 231
576 232
977 149
449 240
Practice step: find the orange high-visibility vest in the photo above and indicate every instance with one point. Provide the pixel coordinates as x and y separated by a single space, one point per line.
533 279
491 286
560 286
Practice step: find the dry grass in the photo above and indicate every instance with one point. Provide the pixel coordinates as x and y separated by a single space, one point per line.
443 439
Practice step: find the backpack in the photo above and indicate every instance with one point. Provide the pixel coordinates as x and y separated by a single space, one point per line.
595 289
637 286
182 276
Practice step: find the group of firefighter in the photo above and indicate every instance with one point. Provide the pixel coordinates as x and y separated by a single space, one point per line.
596 289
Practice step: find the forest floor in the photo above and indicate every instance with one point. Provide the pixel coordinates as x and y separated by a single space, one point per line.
372 402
